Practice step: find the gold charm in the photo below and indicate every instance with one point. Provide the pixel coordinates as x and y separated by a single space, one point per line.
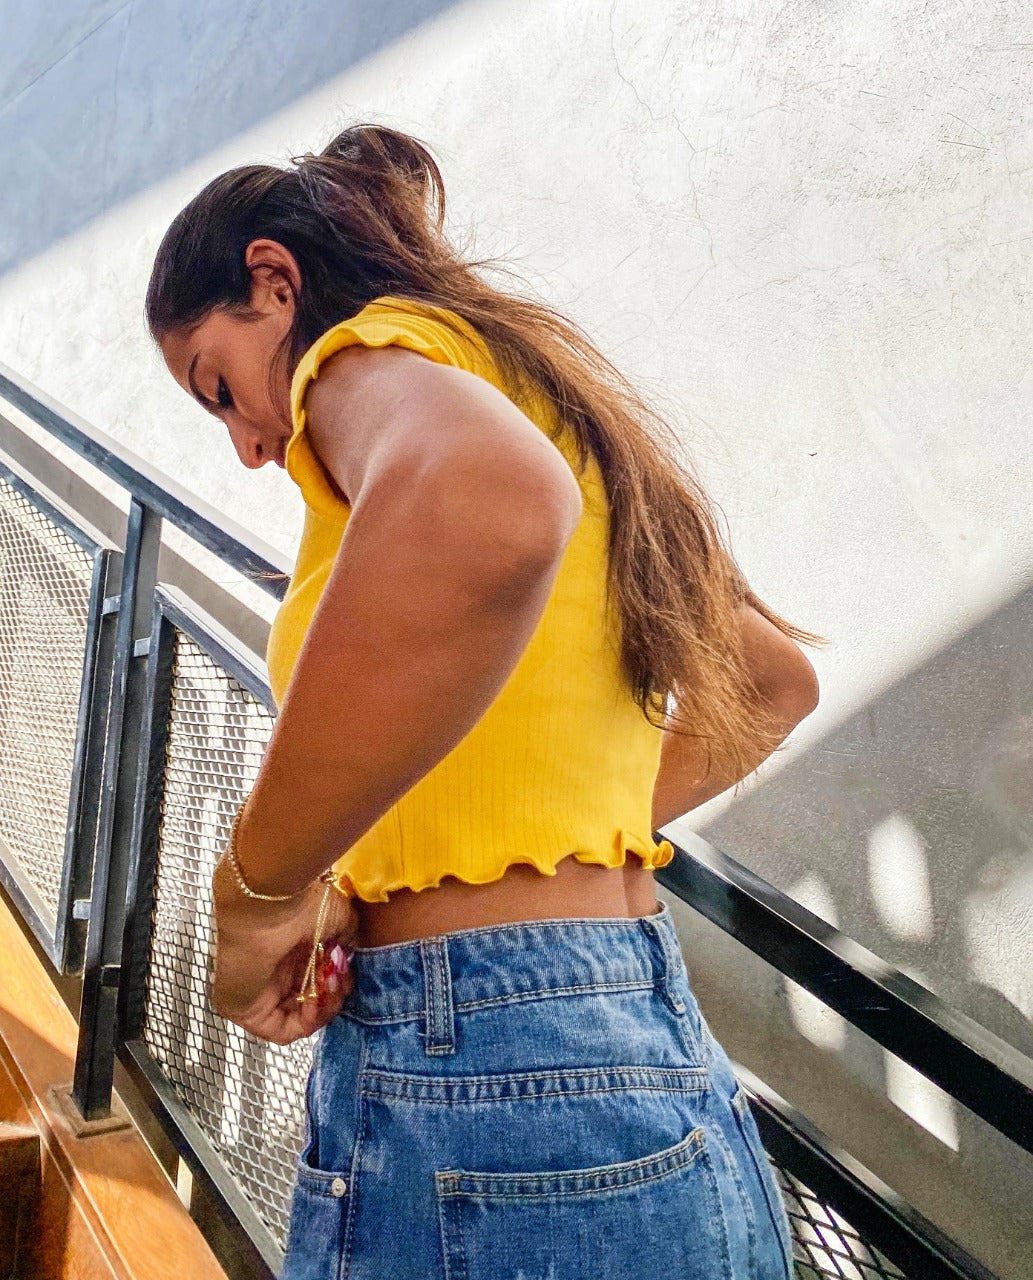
309 986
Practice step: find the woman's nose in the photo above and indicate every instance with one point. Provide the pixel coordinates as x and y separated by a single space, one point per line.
250 449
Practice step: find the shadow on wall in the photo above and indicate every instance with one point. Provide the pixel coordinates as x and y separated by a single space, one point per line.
101 98
910 826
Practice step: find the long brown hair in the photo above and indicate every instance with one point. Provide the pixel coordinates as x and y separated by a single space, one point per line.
364 219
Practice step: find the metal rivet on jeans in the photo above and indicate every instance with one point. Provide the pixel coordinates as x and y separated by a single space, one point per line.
338 1187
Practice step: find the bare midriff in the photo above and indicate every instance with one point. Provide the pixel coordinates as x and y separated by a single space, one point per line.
578 889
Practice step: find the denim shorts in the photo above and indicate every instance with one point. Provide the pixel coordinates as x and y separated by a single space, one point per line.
532 1101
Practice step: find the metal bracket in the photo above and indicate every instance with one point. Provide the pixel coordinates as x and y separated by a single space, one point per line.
60 1097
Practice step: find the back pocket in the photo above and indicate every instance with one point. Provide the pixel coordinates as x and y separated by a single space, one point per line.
658 1215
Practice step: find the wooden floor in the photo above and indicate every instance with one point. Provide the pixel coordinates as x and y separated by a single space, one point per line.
98 1207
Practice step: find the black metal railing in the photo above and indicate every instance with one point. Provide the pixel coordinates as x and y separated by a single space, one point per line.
978 1069
166 718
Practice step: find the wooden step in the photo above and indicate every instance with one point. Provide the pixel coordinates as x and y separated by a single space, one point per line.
19 1189
105 1209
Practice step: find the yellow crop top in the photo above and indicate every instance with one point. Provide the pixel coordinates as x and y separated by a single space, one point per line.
563 761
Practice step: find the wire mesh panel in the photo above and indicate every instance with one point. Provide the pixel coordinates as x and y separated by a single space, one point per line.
45 586
824 1243
245 1093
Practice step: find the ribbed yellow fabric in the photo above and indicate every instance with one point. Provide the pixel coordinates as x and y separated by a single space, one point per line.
563 761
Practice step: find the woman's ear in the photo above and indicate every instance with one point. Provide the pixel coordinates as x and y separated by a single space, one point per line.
275 275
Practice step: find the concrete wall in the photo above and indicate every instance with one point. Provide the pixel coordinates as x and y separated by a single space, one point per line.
806 227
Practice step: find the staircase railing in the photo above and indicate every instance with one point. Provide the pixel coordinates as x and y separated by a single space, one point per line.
140 722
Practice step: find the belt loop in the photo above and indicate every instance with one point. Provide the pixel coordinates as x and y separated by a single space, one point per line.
670 957
437 993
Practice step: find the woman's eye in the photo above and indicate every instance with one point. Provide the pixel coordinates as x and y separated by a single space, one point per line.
223 397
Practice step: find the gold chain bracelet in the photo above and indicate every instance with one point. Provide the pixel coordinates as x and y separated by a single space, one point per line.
314 968
245 888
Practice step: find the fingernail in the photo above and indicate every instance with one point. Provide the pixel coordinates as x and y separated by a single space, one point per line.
341 958
333 984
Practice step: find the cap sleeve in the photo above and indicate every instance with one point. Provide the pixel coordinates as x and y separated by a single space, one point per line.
381 324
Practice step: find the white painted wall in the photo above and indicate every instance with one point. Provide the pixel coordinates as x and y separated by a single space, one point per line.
806 227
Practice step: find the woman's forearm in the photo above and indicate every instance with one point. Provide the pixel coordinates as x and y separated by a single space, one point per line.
786 687
418 629
686 779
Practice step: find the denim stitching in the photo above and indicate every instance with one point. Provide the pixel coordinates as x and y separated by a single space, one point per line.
444 995
745 1203
428 993
519 1088
349 1224
515 997
778 1215
615 1177
717 1213
671 959
316 1181
453 1244
519 997
562 1073
437 998
529 1097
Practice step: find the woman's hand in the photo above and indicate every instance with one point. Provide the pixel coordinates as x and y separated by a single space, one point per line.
262 950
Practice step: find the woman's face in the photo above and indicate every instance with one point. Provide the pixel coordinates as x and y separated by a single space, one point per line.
232 363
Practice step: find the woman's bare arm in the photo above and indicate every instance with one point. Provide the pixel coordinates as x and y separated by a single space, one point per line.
786 683
461 509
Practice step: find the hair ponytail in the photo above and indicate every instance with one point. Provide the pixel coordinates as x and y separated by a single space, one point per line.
392 156
377 166
364 219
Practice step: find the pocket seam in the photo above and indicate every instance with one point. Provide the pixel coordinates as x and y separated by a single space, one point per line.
319 1181
457 1183
516 1086
779 1220
451 1202
746 1204
311 1126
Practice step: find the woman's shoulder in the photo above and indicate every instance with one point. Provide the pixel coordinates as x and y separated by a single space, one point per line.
439 334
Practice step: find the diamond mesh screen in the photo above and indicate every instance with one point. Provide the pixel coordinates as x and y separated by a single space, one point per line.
247 1095
45 581
824 1243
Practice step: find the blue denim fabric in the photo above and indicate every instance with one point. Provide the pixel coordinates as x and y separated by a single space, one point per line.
533 1101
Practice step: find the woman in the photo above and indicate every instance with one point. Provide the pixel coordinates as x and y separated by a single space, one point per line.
512 647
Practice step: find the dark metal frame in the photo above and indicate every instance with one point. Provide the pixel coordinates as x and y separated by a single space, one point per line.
978 1069
63 937
907 1238
95 1057
174 614
159 493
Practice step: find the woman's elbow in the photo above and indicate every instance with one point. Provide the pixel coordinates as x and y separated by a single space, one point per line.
799 693
548 518
513 550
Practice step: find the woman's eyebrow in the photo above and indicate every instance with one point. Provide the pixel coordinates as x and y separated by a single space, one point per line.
201 399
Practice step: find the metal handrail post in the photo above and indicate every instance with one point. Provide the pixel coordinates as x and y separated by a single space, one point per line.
88 768
98 1020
